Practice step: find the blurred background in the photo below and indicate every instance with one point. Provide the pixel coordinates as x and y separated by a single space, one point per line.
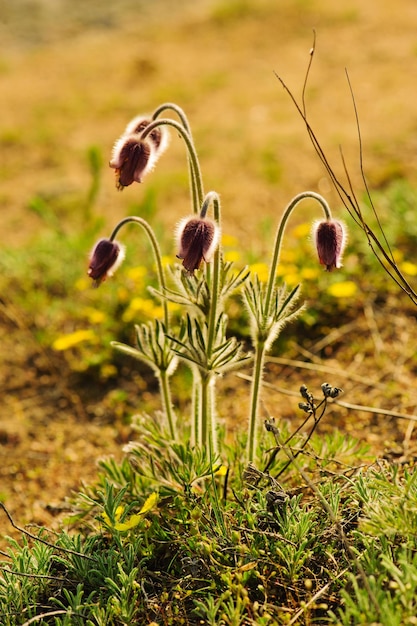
72 74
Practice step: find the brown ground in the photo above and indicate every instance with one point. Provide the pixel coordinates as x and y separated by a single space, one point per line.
71 83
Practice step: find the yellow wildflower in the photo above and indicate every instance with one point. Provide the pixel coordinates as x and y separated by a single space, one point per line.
344 289
301 231
309 273
145 306
409 268
82 284
221 471
137 274
261 269
232 256
65 342
133 520
94 316
229 241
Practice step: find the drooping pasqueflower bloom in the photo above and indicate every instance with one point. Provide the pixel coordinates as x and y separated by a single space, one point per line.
133 156
330 240
131 159
197 239
105 258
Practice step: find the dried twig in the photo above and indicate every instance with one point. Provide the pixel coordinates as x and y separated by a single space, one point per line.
46 543
346 405
379 246
42 616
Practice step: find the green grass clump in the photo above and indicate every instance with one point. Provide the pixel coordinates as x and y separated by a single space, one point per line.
163 538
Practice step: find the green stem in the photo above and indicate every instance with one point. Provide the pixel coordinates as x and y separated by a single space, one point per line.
205 401
166 106
208 422
207 427
163 376
157 254
279 235
184 120
213 444
260 344
212 197
257 378
196 177
167 406
196 407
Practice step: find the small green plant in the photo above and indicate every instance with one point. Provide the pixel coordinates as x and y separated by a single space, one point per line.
203 341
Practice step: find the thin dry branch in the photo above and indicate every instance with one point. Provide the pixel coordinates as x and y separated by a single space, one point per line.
46 543
342 403
29 575
381 249
42 616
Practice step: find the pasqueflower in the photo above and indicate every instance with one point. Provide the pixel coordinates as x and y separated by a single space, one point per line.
197 238
330 240
105 258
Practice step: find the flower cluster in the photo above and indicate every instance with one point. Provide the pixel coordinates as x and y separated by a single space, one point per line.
134 155
202 339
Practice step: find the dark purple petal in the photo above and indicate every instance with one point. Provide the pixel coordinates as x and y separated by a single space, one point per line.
134 156
330 241
104 259
195 238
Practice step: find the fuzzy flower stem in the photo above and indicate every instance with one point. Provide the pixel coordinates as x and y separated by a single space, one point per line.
196 177
163 375
184 120
167 403
207 403
279 236
257 377
208 409
157 254
212 197
260 345
171 106
205 385
196 408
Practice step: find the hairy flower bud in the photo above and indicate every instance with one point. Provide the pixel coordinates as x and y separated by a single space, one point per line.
133 156
198 239
330 240
105 258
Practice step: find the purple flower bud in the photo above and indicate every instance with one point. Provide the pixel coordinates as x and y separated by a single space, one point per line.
198 239
131 159
105 258
330 240
132 156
